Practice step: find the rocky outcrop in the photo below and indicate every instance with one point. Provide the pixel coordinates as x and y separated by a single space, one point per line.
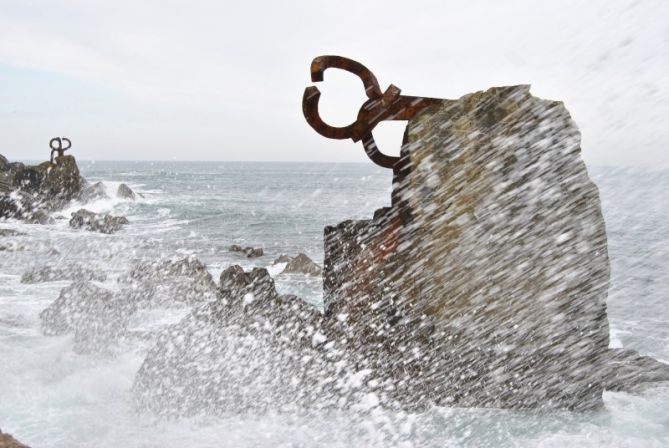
250 351
99 317
125 192
250 252
302 264
95 316
31 193
95 222
75 272
169 283
489 273
7 441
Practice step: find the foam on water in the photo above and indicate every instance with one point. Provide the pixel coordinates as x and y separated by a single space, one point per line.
52 397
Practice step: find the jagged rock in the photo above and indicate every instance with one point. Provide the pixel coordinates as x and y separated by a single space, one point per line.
250 252
233 280
125 192
93 192
94 314
10 232
12 247
251 351
4 163
302 264
170 283
95 222
59 273
627 371
7 441
282 259
485 283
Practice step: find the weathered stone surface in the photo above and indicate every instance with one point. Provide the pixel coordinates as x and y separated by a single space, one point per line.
59 273
7 441
95 222
492 262
125 192
302 264
282 259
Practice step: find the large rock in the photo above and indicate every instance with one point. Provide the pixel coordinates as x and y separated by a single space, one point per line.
627 371
171 283
125 192
302 264
489 273
95 315
251 351
90 193
95 222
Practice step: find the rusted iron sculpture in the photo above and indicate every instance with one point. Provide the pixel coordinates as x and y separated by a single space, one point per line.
380 106
56 145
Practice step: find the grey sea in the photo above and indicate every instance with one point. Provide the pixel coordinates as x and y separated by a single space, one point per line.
51 396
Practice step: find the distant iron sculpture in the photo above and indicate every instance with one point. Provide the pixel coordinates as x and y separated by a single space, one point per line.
56 145
380 106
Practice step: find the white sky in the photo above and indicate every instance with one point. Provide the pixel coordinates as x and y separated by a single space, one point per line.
218 80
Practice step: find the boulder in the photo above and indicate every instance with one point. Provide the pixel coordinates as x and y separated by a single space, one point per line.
302 264
93 192
250 252
169 283
485 283
77 273
95 316
125 192
282 259
94 222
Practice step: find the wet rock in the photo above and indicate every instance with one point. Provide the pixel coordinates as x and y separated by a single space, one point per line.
59 273
11 232
627 371
12 247
125 192
169 283
282 259
233 280
7 441
95 222
485 283
250 252
302 264
236 354
93 192
95 316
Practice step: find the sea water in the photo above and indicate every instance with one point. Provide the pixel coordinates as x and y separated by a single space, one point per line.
51 396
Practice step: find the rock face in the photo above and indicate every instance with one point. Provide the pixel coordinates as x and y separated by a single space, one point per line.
302 264
95 222
492 262
627 371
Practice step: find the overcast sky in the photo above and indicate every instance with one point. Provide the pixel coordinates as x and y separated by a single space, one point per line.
218 80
